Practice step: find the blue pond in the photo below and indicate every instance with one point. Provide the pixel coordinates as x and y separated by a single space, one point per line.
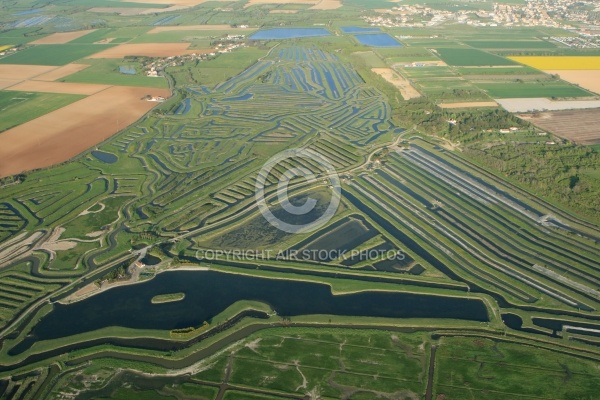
359 29
209 293
289 33
378 40
33 21
184 107
107 158
28 12
127 70
166 20
246 96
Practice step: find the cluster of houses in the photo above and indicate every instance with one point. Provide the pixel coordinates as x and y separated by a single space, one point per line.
547 13
154 67
585 41
502 130
8 51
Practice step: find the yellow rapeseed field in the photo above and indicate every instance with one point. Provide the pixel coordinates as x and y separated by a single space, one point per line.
2 48
561 62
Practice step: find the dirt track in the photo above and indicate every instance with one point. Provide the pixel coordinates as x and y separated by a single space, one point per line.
160 29
83 124
327 5
61 72
15 72
257 2
62 37
540 103
413 64
148 50
174 5
58 87
472 104
4 83
125 12
32 78
403 85
187 3
316 4
11 75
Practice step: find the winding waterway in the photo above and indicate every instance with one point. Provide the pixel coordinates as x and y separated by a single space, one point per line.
208 293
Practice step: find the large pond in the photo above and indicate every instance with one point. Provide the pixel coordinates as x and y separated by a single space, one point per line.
208 293
107 158
378 40
289 33
359 29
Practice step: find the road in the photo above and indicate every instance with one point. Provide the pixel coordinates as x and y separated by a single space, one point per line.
430 376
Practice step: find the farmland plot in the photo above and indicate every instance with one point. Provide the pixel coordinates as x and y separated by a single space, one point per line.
580 126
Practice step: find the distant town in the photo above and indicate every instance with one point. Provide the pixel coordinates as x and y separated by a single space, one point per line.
580 16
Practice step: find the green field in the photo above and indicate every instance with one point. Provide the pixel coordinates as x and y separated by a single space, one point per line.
449 89
534 89
218 70
451 5
355 364
508 71
53 54
198 37
471 58
202 38
115 3
370 4
510 44
482 368
430 72
18 36
106 71
434 43
370 59
120 34
93 37
19 107
417 52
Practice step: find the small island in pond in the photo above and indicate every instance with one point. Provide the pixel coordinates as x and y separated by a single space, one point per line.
167 298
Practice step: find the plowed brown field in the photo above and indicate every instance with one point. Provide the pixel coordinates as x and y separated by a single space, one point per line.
58 87
67 132
587 79
62 37
4 83
160 29
402 84
61 72
580 126
21 72
148 50
327 5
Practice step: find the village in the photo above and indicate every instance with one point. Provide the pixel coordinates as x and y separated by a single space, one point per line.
549 13
154 67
